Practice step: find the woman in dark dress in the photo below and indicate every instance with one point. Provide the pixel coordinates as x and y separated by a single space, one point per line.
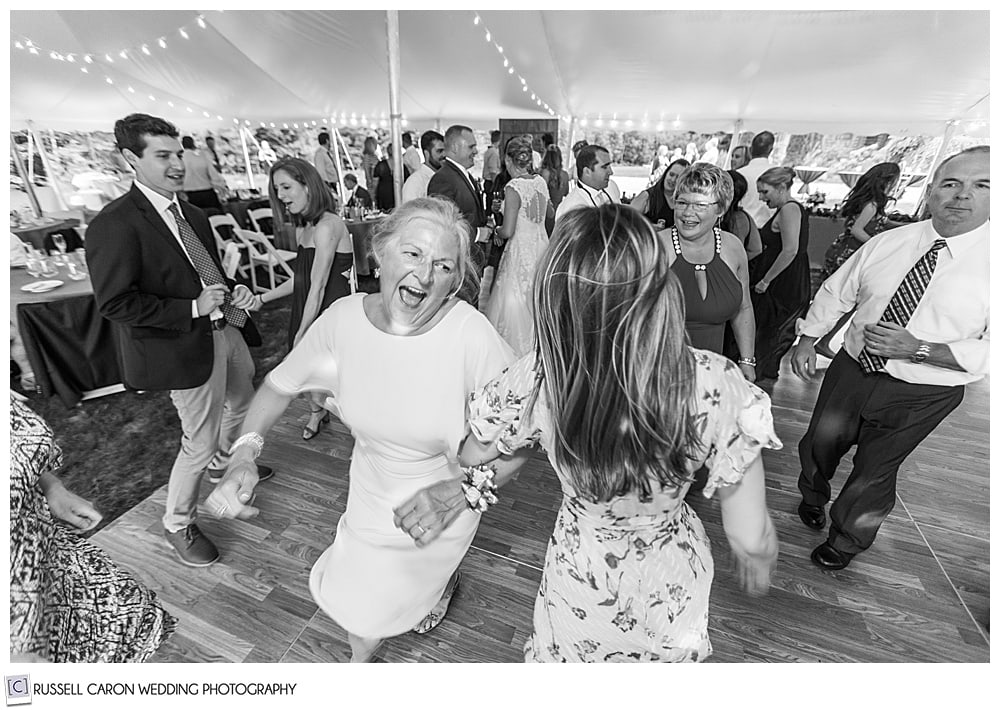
711 264
324 256
68 601
780 274
656 202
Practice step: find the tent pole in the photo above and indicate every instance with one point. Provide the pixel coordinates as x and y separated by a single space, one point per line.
246 158
571 139
336 133
340 173
53 181
31 158
395 127
737 127
949 131
23 174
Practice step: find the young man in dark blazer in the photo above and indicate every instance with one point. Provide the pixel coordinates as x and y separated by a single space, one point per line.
455 182
181 325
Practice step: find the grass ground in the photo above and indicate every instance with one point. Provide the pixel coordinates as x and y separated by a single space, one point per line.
119 449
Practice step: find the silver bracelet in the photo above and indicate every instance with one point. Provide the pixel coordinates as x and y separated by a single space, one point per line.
751 361
251 438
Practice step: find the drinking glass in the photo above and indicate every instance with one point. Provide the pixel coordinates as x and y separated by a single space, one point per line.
60 241
31 263
48 268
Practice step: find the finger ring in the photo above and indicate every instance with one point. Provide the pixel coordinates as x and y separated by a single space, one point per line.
420 527
222 509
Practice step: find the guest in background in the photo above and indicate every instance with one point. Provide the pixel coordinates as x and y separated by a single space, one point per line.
325 164
657 202
324 257
266 156
660 160
202 182
737 222
629 569
537 148
385 190
779 275
555 177
760 152
573 170
401 365
210 144
432 145
741 157
920 334
69 603
411 156
594 186
355 195
369 159
492 163
864 214
711 265
526 210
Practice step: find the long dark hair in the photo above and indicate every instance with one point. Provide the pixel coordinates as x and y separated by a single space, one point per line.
613 355
552 161
739 192
657 200
320 200
873 186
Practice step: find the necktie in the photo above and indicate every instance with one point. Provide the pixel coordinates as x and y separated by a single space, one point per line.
905 300
205 267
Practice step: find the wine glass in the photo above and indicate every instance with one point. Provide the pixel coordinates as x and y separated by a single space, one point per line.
60 241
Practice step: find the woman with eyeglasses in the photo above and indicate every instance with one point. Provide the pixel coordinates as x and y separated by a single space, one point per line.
711 264
780 274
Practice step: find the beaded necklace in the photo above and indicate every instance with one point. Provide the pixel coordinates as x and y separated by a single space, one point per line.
675 237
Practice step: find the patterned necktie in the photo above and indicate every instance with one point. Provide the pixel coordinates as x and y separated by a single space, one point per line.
905 300
205 267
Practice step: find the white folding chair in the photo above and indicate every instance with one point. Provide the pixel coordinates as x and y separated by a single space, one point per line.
258 215
262 253
221 241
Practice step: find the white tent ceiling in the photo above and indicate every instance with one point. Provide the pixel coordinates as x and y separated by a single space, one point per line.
825 71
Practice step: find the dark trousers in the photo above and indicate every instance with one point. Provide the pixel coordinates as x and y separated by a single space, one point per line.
887 419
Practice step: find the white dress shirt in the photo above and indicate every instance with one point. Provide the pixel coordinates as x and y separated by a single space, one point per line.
751 203
585 196
162 206
200 173
955 308
412 159
325 165
416 185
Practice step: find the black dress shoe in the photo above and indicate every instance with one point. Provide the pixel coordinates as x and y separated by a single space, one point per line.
812 515
829 557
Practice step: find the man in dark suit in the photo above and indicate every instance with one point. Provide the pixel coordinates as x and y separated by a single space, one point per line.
455 182
356 196
181 325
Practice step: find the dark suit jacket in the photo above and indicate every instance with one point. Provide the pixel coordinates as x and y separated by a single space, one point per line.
144 283
450 182
361 198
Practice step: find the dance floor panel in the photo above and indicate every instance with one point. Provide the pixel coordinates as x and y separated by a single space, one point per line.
920 594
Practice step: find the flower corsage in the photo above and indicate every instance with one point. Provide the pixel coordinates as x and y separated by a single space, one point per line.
479 488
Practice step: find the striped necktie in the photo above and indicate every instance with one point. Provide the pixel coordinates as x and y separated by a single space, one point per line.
904 301
205 267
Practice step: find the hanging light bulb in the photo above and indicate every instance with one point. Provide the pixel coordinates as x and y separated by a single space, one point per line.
162 43
272 125
524 89
32 50
152 98
170 104
659 126
583 123
53 55
511 70
89 59
476 21
499 49
505 62
145 50
599 122
218 117
189 109
205 114
18 45
488 37
71 59
201 22
108 59
183 33
131 90
84 70
123 54
284 125
108 79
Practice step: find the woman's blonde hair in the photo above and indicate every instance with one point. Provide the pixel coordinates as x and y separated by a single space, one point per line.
613 355
441 212
778 177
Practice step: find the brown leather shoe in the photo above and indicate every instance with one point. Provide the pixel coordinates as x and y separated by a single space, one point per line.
191 545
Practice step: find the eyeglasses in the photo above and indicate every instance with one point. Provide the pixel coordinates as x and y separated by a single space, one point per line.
698 207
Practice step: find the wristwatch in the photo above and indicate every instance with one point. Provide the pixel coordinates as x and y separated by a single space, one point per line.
923 350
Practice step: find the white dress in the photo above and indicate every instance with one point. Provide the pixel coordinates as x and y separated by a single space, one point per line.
509 308
405 399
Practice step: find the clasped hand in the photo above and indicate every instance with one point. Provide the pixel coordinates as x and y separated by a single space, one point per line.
214 296
233 495
430 511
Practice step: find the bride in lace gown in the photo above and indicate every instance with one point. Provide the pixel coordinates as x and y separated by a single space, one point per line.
526 205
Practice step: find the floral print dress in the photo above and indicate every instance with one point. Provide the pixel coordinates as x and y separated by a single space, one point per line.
629 579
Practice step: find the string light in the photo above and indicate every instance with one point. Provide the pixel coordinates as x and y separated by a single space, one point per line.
145 50
201 22
183 33
163 43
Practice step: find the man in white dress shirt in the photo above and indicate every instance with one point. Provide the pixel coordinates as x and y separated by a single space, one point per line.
760 152
411 156
892 384
594 186
432 144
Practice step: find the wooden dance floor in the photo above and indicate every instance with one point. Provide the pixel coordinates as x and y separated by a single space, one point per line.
920 594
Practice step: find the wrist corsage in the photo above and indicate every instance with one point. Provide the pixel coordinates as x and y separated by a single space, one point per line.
478 487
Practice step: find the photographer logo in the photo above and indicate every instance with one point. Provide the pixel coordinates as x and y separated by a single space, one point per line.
18 690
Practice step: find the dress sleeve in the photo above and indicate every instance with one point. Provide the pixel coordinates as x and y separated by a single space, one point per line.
736 420
311 366
497 410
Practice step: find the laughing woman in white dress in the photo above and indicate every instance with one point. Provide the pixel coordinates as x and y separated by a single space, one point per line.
400 364
526 206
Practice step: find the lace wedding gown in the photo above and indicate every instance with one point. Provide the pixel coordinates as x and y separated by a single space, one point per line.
509 308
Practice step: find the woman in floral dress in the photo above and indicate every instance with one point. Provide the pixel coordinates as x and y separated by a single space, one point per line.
627 412
68 600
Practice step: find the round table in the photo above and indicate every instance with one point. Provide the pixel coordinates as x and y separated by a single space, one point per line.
35 233
850 178
808 174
